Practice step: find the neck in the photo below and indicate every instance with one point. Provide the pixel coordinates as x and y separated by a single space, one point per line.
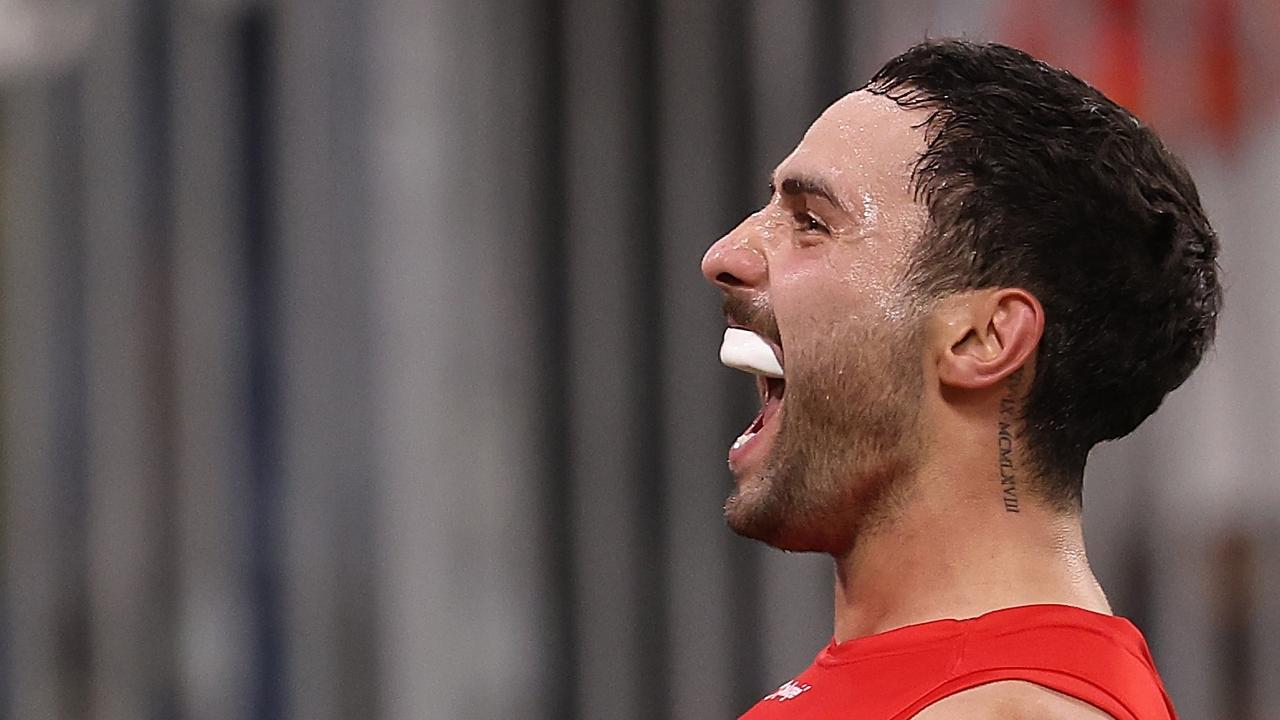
951 552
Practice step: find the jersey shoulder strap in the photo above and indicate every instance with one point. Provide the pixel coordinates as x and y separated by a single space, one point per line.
1098 659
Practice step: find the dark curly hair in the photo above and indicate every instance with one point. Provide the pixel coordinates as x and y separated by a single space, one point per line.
1034 179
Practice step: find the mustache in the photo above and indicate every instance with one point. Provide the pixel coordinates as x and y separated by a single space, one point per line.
755 317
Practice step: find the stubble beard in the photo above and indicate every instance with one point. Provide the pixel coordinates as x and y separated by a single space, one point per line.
845 447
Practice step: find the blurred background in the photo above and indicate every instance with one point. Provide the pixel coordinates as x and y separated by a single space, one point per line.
356 363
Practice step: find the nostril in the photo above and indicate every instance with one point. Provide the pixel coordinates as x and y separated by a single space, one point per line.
729 279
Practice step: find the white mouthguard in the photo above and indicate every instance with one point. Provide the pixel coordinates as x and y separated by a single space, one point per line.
746 351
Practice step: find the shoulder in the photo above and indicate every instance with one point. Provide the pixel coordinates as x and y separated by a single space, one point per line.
1011 700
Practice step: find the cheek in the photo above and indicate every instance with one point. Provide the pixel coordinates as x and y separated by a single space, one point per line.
850 283
812 305
876 280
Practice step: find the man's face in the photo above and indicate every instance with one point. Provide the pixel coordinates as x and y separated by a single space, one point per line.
819 272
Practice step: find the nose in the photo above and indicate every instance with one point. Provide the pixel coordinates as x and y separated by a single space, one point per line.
736 261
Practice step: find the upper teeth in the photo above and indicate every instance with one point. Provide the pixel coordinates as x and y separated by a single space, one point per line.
746 351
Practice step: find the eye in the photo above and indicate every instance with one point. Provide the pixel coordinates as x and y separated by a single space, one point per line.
808 223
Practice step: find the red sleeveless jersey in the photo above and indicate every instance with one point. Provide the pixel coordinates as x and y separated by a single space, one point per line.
1099 659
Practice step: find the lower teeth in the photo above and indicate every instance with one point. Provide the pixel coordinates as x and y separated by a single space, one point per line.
743 439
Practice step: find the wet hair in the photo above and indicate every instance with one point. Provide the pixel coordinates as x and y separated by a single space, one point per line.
1034 179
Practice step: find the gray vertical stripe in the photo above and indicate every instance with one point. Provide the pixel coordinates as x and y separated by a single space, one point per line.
127 433
604 352
214 613
44 444
327 461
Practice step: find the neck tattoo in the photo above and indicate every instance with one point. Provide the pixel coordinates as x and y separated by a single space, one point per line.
1005 437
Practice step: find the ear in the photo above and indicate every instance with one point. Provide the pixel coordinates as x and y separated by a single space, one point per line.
988 334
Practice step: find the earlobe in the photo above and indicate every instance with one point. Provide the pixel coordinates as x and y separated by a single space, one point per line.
993 333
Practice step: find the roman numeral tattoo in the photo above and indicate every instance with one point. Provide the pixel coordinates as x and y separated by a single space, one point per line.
1005 436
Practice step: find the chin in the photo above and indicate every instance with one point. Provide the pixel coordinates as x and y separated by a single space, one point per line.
800 507
752 512
781 511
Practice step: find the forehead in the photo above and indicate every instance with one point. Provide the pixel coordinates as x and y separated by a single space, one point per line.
863 144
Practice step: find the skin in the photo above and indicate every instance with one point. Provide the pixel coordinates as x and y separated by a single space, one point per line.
885 452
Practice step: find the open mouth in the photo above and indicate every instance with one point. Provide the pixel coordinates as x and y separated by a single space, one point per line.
746 351
771 391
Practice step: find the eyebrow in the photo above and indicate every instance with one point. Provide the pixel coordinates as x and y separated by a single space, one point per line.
809 185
